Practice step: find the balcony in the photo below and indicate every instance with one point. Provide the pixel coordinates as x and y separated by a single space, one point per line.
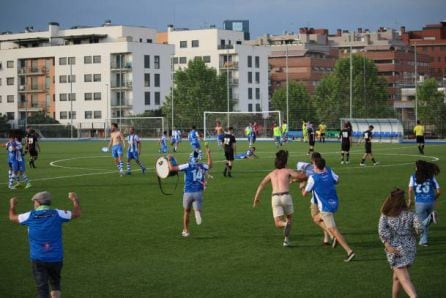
32 89
127 85
402 104
30 71
233 82
229 65
124 67
30 107
124 104
225 46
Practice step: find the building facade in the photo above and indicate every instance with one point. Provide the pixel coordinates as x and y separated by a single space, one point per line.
83 75
226 51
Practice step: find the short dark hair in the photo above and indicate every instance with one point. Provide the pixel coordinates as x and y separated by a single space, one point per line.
394 203
231 128
319 163
315 155
114 124
281 159
418 121
193 127
371 127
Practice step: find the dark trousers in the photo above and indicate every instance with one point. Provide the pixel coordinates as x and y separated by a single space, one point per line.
46 274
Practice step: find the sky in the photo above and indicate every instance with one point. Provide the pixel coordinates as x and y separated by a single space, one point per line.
265 16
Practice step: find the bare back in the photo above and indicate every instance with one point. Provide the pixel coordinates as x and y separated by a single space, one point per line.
116 137
280 179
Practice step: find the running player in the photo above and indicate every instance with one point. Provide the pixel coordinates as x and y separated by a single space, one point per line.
219 132
11 148
346 140
304 132
367 137
133 151
311 138
322 185
419 134
194 184
117 145
194 139
163 142
250 153
229 147
322 130
21 169
281 200
32 146
277 135
284 131
175 139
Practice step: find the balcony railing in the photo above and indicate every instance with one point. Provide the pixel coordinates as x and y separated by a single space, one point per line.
225 46
32 71
32 89
121 67
233 81
31 107
124 103
229 65
121 85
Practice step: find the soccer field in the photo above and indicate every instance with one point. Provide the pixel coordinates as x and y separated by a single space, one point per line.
128 241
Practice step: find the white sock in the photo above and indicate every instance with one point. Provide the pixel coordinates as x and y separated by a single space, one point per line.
198 217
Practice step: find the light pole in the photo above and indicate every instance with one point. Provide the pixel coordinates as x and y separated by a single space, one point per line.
227 81
351 82
287 86
416 83
171 88
107 111
70 98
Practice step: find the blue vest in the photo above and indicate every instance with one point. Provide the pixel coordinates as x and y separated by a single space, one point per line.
324 191
424 192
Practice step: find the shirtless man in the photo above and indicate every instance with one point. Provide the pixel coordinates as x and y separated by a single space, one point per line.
282 202
219 132
117 145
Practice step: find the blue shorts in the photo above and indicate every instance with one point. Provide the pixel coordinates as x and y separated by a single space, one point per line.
221 137
173 141
21 166
13 165
117 151
132 155
277 139
195 145
163 149
193 199
241 156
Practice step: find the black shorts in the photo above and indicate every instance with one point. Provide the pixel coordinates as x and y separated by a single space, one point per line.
345 146
44 273
33 153
420 139
229 154
368 147
311 141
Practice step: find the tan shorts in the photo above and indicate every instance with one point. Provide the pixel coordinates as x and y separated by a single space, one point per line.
282 205
328 219
314 209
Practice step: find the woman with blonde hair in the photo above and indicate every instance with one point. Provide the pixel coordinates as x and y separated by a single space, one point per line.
397 230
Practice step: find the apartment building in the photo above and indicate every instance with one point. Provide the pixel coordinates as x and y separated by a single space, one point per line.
226 50
83 75
306 57
430 41
394 60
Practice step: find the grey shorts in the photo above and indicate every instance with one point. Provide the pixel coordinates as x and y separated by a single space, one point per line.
193 199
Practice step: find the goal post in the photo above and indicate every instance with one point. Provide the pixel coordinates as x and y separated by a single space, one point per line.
145 127
239 120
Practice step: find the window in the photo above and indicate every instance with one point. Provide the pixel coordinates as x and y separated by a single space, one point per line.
207 59
9 81
157 80
147 98
47 83
147 80
183 44
257 77
1 65
149 40
257 61
62 79
146 61
249 77
10 115
96 59
249 93
63 97
0 81
97 96
257 93
0 99
88 114
72 60
249 61
72 97
10 64
183 60
72 115
195 43
97 114
63 115
10 98
62 60
250 107
175 60
258 109
157 62
87 96
87 78
157 98
71 78
97 77
87 60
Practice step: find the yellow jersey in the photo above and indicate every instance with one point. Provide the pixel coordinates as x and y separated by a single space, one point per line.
418 130
277 131
322 128
284 128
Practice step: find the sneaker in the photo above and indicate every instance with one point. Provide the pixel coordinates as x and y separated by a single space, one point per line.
121 173
424 244
376 163
362 164
28 185
286 243
342 162
350 257
143 170
185 234
12 187
434 216
347 162
198 217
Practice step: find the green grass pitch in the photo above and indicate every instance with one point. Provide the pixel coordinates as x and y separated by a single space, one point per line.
127 242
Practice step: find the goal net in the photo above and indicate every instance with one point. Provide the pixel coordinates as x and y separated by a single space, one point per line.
239 120
145 127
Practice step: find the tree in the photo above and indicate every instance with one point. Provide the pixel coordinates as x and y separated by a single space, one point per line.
4 126
41 118
299 103
198 88
431 105
369 99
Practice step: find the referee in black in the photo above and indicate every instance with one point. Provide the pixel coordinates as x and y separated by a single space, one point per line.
229 143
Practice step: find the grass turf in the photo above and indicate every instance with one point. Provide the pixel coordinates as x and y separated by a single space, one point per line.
128 243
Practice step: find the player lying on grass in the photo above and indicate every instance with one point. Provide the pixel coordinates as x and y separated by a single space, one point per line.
281 200
249 154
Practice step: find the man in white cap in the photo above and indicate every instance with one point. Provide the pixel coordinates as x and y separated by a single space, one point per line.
45 239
